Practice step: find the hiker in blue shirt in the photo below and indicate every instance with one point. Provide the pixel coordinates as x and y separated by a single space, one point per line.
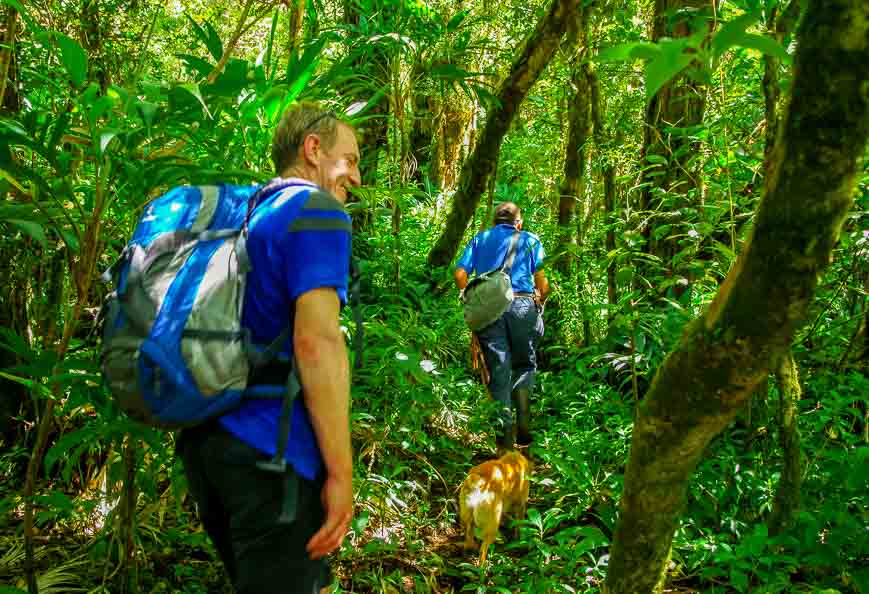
509 344
299 249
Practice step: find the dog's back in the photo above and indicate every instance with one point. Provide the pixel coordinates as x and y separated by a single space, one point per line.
490 490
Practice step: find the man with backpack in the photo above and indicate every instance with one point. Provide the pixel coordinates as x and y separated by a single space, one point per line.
273 530
504 307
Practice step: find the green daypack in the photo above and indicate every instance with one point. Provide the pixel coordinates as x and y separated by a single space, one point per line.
490 294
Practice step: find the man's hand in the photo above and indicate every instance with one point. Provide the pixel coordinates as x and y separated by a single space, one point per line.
337 497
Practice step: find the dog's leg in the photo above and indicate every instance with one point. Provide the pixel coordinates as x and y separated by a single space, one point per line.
469 536
484 548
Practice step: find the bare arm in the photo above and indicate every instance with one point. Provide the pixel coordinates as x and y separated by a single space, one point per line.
321 357
541 285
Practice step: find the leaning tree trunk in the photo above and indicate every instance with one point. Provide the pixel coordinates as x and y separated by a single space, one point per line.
535 55
722 356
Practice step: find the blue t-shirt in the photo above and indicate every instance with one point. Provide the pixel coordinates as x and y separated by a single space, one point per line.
488 248
298 240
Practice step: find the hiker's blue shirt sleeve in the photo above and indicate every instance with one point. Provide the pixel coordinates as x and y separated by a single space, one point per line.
319 252
299 241
466 262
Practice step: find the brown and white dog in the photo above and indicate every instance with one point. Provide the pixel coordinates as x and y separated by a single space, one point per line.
492 489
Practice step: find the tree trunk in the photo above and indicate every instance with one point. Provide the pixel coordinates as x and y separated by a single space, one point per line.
575 157
92 41
535 55
13 315
787 496
8 64
608 172
297 19
732 347
778 26
680 104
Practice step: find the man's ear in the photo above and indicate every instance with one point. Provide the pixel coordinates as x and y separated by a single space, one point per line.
311 149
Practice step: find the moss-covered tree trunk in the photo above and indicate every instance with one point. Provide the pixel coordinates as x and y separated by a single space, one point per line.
529 63
608 172
579 126
669 152
751 322
787 496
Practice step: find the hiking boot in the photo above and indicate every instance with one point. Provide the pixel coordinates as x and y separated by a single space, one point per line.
522 398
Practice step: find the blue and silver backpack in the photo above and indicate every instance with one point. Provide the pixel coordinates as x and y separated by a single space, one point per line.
174 352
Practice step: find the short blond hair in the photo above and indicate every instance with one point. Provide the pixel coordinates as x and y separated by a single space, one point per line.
296 124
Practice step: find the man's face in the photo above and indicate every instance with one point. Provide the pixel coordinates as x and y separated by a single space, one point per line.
338 168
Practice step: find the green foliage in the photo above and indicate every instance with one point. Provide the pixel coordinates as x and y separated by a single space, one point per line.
78 162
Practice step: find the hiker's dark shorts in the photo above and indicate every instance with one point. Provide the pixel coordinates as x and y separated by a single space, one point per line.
239 505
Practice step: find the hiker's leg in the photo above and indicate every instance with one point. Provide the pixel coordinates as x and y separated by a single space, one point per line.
494 341
524 323
270 557
189 446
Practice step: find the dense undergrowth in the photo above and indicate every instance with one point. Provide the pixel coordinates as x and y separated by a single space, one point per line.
420 421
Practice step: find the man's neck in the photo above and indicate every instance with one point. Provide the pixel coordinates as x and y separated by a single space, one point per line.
300 173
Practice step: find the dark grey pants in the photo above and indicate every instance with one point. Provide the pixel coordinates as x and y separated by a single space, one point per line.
509 347
239 505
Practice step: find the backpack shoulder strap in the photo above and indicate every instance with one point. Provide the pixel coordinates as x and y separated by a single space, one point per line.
507 266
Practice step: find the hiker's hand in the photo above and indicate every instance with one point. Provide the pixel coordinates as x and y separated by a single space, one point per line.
337 497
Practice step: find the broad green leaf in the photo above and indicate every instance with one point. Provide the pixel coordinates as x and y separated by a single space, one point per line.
197 65
629 51
193 89
666 66
593 538
457 20
730 32
763 44
214 45
74 59
32 229
757 542
147 111
300 69
106 136
738 580
199 32
624 275
231 81
70 239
